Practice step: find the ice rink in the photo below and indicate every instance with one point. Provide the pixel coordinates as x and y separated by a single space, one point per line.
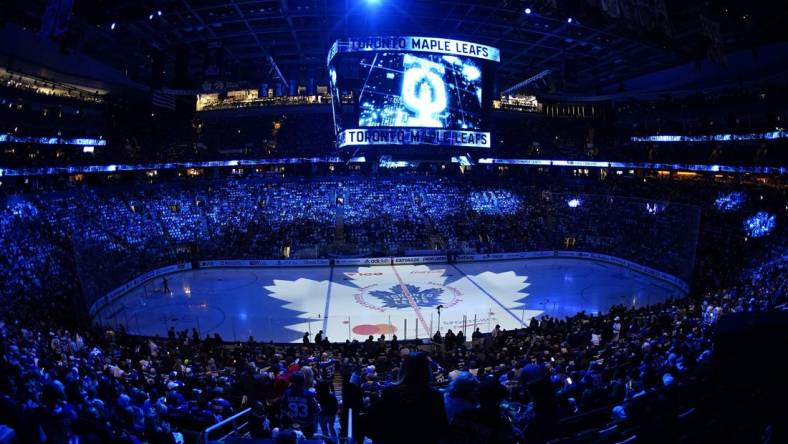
280 304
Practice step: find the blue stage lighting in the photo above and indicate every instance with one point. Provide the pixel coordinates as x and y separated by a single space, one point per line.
574 203
471 72
729 202
527 10
569 20
760 224
655 207
150 17
112 26
158 13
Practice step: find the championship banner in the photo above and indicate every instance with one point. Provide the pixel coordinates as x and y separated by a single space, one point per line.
412 136
414 44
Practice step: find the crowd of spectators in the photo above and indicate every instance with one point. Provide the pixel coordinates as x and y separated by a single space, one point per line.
623 373
630 372
383 214
28 248
115 233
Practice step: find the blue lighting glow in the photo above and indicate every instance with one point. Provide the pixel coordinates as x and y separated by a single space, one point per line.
574 203
387 162
771 135
569 20
112 26
454 60
729 202
642 165
45 171
527 10
22 209
760 224
424 91
10 138
654 208
471 73
494 202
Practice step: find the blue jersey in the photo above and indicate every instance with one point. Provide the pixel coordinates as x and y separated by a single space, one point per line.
327 369
371 387
302 407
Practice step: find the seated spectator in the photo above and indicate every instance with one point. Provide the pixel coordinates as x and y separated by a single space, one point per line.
486 423
462 395
411 401
288 431
259 425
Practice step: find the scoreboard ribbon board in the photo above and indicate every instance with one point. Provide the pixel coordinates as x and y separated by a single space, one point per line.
413 136
414 44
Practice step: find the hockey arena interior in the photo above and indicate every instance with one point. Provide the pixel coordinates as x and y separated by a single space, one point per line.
393 221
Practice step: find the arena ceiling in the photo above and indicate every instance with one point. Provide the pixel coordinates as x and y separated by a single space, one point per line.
593 50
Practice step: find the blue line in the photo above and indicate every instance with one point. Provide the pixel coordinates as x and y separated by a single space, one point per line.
328 301
489 295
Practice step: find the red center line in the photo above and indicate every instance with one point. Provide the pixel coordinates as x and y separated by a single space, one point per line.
411 301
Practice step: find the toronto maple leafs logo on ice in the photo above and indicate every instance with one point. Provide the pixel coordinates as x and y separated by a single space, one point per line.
397 296
386 295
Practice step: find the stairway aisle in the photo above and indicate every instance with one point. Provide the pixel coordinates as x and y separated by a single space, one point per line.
339 234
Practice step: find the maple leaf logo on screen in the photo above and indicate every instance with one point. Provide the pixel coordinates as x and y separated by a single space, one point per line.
396 297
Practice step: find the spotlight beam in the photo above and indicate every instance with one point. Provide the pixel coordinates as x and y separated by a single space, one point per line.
518 86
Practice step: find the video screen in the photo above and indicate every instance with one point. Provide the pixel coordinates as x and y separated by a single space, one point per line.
405 91
420 90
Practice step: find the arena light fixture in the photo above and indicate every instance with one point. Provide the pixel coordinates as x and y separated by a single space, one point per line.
528 10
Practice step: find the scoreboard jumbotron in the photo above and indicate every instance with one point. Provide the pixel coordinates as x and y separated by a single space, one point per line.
411 91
